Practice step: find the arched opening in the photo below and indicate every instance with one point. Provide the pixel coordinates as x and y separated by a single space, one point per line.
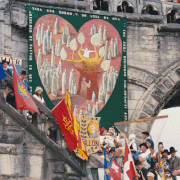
171 16
149 9
125 7
101 5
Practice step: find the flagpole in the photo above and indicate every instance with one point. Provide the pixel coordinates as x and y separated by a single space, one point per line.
130 153
139 120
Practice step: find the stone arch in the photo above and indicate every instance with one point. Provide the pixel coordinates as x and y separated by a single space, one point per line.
125 6
150 9
159 90
171 15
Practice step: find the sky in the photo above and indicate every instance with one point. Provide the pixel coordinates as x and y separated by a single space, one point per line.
170 135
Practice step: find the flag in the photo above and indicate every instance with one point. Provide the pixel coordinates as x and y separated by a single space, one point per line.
115 170
161 169
2 72
65 122
107 164
129 170
80 145
23 98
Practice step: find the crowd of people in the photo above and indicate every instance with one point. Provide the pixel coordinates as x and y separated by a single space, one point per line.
148 163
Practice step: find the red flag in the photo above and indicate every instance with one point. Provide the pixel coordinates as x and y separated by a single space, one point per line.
115 170
23 98
65 122
129 170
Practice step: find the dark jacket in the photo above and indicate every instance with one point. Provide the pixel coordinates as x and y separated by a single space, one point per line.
175 164
144 172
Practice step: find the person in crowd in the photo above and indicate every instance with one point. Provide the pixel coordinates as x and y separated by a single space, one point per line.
111 131
150 176
112 138
119 157
133 145
10 98
175 173
153 153
142 172
156 166
112 152
174 160
121 140
160 149
52 133
38 95
24 80
105 140
6 68
145 136
166 153
142 159
103 131
147 153
154 172
166 165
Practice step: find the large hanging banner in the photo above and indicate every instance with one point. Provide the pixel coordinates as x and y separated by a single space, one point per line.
84 53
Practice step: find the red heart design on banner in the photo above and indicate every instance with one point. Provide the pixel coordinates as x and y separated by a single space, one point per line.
90 78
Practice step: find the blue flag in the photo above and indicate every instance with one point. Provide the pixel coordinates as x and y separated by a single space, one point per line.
2 72
107 164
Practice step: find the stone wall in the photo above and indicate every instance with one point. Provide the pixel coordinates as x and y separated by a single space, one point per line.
23 157
149 49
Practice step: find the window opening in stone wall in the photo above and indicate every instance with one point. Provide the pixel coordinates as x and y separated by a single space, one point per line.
171 17
125 7
101 5
150 10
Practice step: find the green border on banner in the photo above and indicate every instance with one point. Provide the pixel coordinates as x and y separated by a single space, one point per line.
116 109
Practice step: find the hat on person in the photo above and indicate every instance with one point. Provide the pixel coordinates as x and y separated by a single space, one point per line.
102 130
150 174
4 61
137 162
160 144
112 149
23 72
164 156
165 151
146 133
143 144
172 150
149 141
38 88
132 137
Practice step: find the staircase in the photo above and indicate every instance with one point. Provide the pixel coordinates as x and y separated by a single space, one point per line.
26 152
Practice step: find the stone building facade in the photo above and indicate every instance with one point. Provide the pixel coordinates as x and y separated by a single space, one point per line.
152 49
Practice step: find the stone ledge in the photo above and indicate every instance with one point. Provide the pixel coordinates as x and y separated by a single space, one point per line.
11 137
54 3
171 27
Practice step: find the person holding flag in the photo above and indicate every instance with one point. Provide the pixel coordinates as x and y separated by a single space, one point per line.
23 98
6 68
112 170
129 168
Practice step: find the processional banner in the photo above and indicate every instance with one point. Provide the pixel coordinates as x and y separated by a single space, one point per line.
84 53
